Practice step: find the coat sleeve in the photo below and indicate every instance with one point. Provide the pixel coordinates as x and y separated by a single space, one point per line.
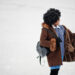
72 36
73 39
68 30
43 39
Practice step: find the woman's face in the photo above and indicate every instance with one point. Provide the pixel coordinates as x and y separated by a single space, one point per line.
57 23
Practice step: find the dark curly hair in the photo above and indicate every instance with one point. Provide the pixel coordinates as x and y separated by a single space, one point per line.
51 16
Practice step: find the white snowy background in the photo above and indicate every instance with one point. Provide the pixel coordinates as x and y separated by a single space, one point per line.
20 28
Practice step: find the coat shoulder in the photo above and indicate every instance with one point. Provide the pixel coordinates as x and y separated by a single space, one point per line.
64 26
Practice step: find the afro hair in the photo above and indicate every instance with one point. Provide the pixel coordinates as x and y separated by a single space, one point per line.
51 16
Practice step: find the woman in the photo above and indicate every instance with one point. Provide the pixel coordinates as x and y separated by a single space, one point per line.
59 50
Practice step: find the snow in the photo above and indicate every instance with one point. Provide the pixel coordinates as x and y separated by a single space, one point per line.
20 28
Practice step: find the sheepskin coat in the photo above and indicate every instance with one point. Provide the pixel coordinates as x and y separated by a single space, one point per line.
54 58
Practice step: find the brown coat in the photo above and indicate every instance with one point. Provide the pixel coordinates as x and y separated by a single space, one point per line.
54 58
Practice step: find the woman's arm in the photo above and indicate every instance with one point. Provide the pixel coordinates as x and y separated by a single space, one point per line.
43 39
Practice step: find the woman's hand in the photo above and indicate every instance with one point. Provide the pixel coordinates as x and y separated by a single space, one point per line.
52 44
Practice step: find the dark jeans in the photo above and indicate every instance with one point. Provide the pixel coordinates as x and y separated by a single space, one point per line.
54 72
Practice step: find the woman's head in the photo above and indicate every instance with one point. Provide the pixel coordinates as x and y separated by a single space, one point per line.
52 16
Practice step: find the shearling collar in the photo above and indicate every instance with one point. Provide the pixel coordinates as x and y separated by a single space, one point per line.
44 25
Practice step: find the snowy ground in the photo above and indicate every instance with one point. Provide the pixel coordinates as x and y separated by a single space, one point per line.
20 27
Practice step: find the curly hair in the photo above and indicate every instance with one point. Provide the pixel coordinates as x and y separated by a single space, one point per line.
51 16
